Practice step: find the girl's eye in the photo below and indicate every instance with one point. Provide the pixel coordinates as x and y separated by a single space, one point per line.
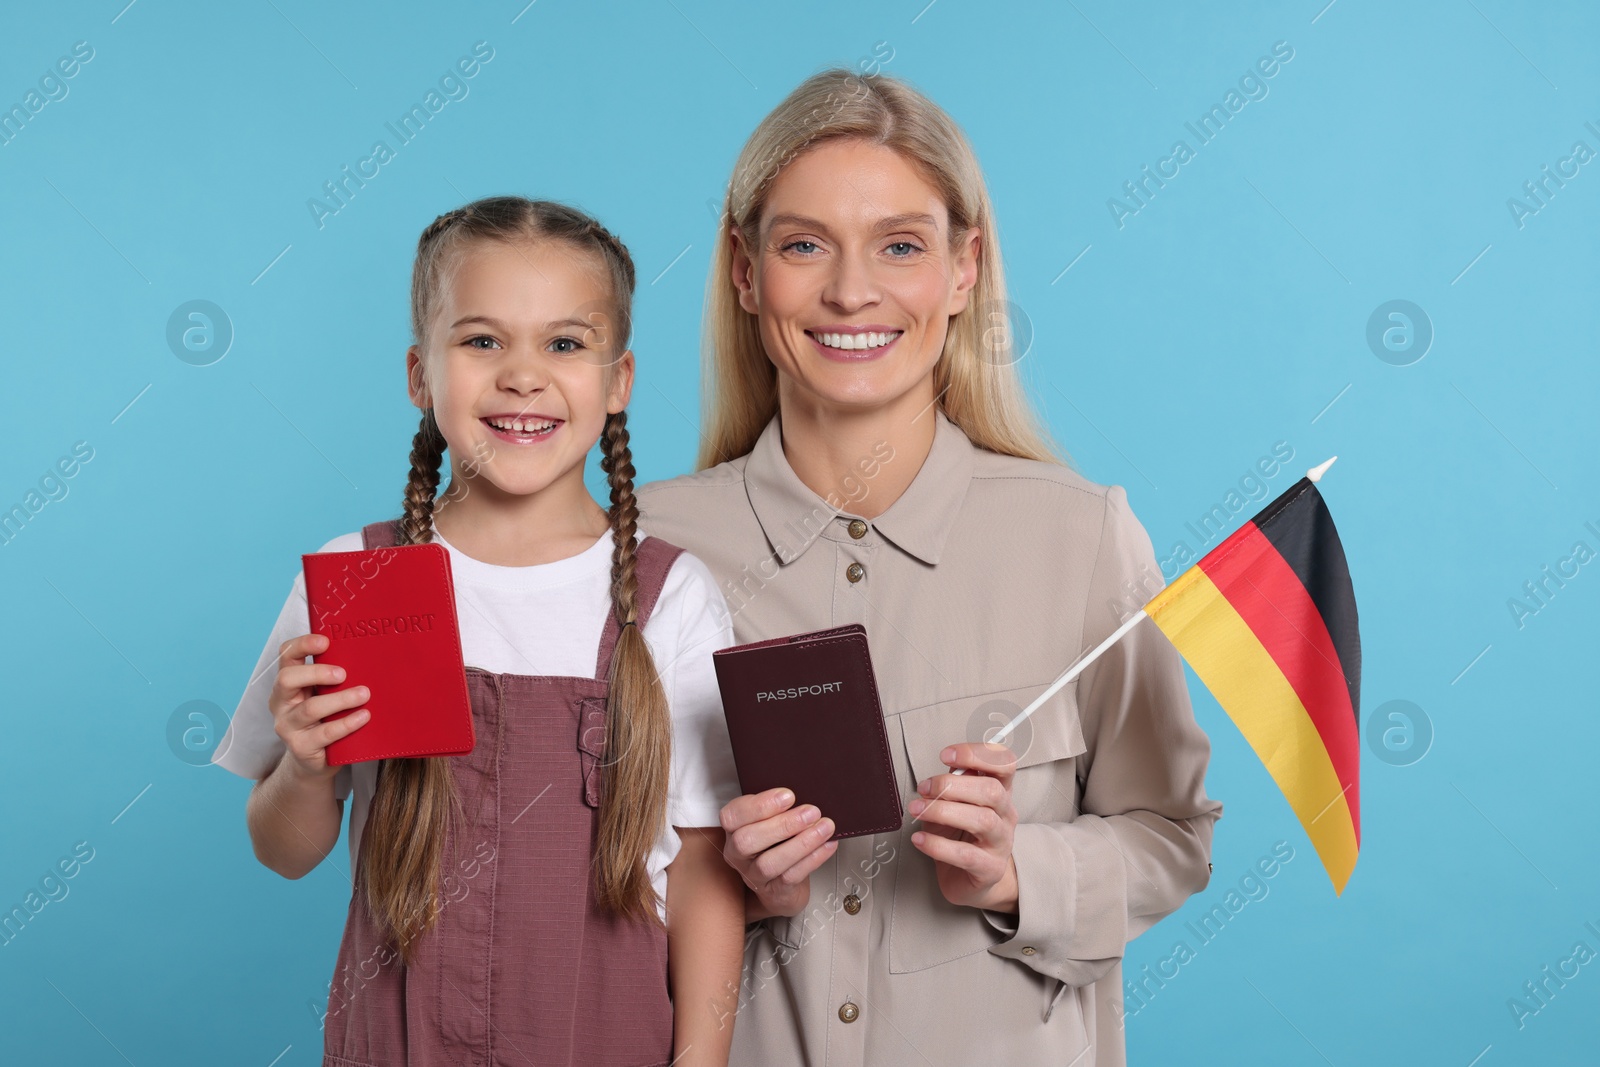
565 345
906 247
809 247
472 342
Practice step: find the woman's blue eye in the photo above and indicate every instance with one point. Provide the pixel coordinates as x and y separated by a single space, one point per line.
907 245
811 246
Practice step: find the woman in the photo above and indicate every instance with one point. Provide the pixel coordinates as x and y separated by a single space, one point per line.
870 457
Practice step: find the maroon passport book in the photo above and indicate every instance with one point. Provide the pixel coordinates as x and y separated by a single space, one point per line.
803 713
390 618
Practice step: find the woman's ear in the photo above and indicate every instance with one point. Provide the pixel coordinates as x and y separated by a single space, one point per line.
968 248
620 388
744 272
417 379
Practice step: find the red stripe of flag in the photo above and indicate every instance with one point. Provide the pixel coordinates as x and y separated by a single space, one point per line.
1270 598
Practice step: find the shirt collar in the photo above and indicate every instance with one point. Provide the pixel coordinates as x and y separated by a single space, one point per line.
792 516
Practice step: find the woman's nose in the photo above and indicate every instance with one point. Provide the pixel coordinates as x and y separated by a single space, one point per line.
851 284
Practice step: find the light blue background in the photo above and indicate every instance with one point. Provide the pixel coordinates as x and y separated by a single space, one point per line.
1227 315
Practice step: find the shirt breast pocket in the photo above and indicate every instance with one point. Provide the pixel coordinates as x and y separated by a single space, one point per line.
592 746
927 930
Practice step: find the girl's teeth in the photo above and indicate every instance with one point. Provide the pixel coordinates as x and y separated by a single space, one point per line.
521 425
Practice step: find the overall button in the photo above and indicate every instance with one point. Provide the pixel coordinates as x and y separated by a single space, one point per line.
857 528
848 1012
852 904
855 572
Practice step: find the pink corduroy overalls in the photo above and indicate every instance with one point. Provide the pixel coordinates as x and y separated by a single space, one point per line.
522 967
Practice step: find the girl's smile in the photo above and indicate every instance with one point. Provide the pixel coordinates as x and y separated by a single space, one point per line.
519 429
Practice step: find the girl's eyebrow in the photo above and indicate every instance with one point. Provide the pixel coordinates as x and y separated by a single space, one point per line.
496 324
485 319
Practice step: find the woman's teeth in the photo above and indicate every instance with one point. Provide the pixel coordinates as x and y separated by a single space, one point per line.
857 341
522 425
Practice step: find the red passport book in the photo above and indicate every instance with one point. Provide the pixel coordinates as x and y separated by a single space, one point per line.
803 713
390 618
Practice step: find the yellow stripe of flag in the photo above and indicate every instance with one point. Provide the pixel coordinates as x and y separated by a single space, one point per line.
1198 619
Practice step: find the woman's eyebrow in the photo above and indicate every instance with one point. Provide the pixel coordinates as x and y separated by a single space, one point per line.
892 222
914 218
802 221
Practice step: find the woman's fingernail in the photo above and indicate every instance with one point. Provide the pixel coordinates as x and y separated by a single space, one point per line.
338 674
810 815
785 797
924 785
947 755
918 806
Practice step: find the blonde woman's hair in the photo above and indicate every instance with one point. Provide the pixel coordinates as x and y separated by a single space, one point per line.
975 378
402 845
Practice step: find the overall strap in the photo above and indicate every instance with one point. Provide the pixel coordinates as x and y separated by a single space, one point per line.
381 534
654 558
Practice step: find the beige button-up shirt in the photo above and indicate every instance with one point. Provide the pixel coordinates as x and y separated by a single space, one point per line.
977 587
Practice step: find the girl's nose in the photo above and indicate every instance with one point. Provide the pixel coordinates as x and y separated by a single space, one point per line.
525 374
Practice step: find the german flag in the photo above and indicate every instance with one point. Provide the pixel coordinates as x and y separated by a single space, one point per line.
1267 619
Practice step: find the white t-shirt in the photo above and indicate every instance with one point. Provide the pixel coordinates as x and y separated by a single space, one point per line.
545 619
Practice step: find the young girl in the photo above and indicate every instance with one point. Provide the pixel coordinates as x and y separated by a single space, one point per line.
558 895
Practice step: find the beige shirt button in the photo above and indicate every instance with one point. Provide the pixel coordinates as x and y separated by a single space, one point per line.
852 904
857 528
855 572
1029 950
849 1012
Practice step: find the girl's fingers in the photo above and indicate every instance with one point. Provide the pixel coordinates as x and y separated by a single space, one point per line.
310 713
775 862
296 649
305 675
327 733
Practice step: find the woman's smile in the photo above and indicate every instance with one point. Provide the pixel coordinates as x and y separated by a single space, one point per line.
853 344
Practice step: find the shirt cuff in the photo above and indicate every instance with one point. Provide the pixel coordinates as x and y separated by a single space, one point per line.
1068 926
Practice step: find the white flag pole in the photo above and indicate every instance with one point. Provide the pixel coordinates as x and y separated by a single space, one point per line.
1315 474
1066 676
